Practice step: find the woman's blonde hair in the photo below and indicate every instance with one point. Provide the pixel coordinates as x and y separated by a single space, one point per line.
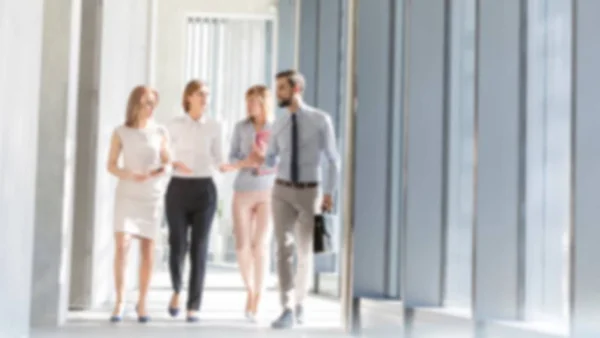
264 94
134 103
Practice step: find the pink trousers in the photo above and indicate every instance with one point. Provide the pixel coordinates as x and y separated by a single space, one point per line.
252 231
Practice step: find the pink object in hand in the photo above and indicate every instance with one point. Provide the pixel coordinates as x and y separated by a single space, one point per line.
262 137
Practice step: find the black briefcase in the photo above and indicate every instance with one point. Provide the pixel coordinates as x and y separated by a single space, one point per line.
323 235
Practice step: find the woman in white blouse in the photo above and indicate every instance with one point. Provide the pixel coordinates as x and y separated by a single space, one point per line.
191 199
138 211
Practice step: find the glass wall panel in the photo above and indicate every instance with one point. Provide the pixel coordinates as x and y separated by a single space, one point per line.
331 52
461 155
548 159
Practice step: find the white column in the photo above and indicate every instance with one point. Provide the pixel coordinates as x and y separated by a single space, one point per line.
55 162
20 36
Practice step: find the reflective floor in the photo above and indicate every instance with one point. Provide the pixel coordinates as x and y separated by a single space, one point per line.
222 317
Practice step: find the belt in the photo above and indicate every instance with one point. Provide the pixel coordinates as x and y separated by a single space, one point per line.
298 185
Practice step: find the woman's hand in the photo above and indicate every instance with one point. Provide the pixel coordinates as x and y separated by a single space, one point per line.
182 168
136 176
259 150
140 177
246 163
227 167
157 172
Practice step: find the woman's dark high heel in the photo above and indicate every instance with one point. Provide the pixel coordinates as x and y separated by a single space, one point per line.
173 311
193 319
118 317
141 319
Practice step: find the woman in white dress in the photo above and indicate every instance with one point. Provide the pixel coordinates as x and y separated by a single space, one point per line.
139 198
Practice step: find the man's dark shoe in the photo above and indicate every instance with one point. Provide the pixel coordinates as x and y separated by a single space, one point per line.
285 321
299 313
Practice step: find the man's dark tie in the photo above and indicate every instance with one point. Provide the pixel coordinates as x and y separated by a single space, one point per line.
294 161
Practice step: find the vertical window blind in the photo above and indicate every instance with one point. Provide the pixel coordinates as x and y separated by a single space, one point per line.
230 55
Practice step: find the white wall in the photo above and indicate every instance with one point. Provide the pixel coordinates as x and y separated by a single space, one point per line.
20 67
169 42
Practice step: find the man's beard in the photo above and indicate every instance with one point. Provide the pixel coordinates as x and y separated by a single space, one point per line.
285 103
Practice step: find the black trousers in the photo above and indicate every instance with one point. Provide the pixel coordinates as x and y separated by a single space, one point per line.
190 205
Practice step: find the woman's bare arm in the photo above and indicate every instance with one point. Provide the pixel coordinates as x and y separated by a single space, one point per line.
165 157
113 158
165 151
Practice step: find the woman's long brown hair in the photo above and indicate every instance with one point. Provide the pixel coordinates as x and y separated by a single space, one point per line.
132 115
190 88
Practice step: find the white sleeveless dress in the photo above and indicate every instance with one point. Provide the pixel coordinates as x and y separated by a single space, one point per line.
139 206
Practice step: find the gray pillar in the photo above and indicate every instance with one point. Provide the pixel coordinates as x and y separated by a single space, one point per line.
500 151
328 58
377 169
308 47
19 88
426 114
89 81
55 163
286 57
585 274
286 33
460 156
548 163
321 54
117 34
287 48
321 63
